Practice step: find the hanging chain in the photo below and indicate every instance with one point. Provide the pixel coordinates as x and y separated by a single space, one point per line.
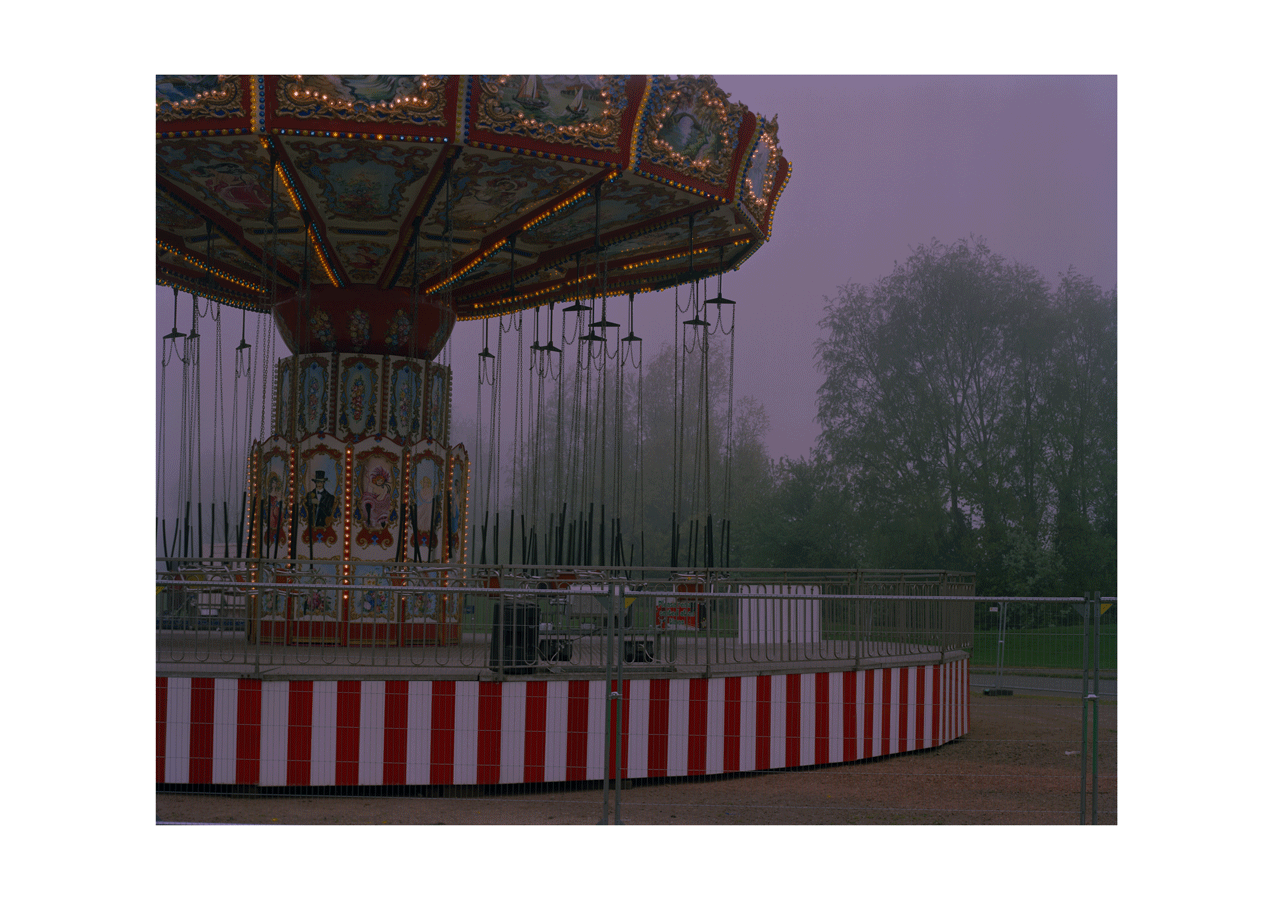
632 355
576 414
253 374
183 487
618 432
267 373
234 414
222 429
559 486
639 487
537 483
265 370
196 430
700 389
707 423
602 399
729 423
497 420
482 462
161 467
519 468
414 298
587 485
680 431
218 405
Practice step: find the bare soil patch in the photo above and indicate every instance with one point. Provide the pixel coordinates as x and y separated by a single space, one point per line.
1020 764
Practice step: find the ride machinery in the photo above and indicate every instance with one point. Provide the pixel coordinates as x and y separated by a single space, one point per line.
366 214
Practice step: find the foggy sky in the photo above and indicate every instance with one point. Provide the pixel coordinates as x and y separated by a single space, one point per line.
882 164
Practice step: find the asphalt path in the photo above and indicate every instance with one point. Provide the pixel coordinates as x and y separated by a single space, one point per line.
1042 684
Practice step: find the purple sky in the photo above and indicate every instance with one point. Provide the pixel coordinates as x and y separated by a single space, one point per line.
882 164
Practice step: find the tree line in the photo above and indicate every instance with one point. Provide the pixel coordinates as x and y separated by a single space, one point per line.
969 421
968 415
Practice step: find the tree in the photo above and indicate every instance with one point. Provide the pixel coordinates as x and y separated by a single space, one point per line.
970 417
1083 438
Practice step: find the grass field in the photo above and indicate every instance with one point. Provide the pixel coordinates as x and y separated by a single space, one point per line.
1058 646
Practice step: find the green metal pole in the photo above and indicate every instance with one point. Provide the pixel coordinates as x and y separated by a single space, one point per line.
1096 693
1087 609
610 625
1003 636
621 606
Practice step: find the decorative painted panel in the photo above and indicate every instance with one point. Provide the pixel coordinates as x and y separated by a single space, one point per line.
284 399
765 176
762 169
376 601
427 501
420 608
691 129
376 514
360 184
200 99
268 623
405 408
358 399
493 191
313 398
582 114
321 514
457 505
315 614
230 176
438 425
274 500
377 99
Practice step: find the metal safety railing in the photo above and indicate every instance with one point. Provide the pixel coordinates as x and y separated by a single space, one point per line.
255 616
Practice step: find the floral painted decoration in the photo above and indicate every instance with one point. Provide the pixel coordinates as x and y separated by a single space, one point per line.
359 328
320 325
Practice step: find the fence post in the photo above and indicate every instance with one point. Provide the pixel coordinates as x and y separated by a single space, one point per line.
255 599
612 752
605 755
1003 637
999 690
1096 694
1087 617
616 700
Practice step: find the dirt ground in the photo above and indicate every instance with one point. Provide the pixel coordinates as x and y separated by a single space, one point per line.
1019 765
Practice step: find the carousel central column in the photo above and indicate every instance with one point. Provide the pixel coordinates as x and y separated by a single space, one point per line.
358 482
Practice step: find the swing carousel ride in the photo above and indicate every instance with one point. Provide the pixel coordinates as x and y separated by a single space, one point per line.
366 215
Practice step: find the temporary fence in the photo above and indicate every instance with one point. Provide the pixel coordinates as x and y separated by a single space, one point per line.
1037 644
1059 646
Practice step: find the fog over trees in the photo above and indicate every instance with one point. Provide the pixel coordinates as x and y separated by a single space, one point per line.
969 421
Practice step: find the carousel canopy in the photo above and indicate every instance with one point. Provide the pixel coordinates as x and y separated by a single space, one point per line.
480 195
